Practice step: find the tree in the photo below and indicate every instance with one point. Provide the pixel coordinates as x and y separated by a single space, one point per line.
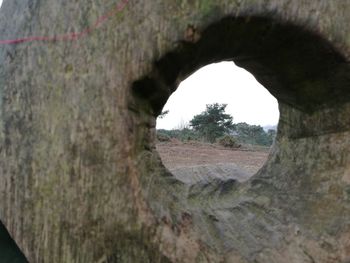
254 134
213 122
163 114
271 134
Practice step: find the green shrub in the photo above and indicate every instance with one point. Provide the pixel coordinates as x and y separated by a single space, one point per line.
182 135
254 134
162 137
228 141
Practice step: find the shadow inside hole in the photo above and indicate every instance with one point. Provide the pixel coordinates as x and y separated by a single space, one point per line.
298 67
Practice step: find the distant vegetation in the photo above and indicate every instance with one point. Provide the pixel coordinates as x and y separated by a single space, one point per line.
253 134
214 125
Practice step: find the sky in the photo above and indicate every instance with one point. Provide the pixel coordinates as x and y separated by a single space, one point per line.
246 99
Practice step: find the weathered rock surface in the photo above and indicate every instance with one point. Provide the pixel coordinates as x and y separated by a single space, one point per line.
206 173
80 180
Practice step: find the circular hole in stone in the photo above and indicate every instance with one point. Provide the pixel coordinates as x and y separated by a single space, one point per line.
308 76
212 149
299 68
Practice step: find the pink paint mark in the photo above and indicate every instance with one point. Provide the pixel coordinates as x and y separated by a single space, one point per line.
70 36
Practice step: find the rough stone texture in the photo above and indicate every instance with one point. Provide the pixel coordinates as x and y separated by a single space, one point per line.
206 173
80 178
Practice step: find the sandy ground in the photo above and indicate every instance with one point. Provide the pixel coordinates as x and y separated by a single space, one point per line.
201 158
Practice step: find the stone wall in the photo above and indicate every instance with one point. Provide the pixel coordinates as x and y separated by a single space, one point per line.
80 179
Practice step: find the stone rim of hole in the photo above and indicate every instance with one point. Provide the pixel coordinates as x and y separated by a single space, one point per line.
304 72
272 48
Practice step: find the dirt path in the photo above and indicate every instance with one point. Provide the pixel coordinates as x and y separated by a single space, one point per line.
176 156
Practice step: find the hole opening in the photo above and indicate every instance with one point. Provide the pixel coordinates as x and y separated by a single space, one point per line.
301 69
231 140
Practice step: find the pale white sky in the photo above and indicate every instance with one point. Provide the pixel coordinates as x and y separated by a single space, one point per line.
247 100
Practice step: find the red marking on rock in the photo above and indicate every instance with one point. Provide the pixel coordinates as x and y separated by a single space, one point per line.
70 36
